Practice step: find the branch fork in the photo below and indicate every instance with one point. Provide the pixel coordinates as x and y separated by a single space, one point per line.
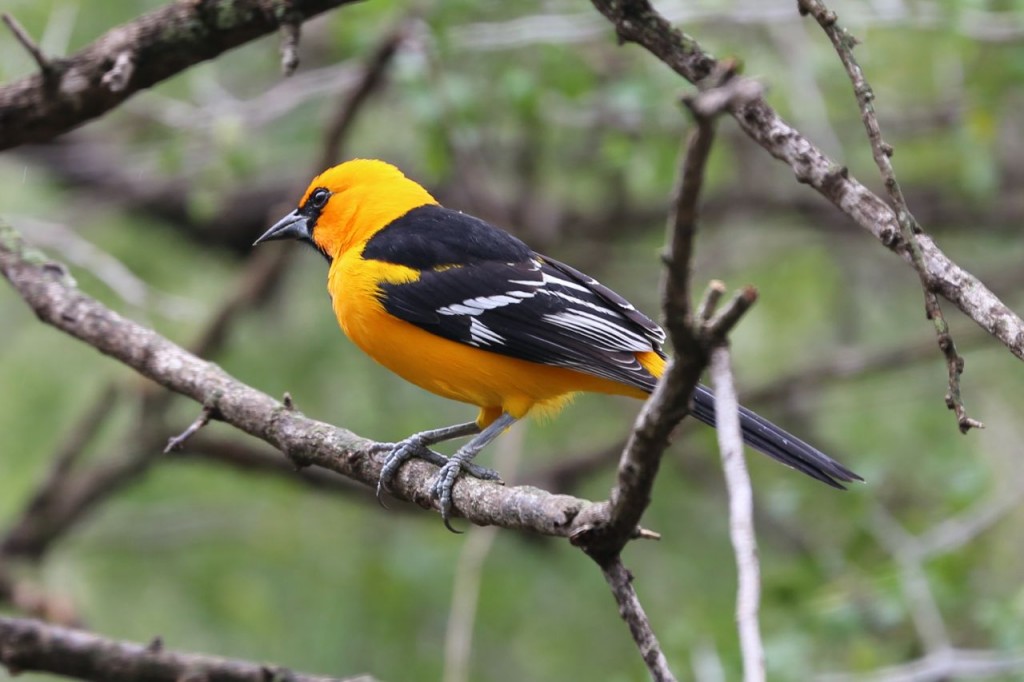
696 339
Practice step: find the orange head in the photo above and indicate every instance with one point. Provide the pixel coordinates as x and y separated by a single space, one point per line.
346 205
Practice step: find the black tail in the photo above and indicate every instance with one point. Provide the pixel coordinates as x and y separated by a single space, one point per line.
762 435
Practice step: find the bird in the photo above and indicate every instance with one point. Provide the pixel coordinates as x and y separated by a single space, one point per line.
467 311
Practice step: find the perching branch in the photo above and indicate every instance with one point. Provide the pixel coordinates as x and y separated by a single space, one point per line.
46 288
909 227
637 21
135 56
30 645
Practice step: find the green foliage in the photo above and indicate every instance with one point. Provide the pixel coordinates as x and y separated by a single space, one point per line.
259 567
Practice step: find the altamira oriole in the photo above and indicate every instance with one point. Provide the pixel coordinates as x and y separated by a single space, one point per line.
467 311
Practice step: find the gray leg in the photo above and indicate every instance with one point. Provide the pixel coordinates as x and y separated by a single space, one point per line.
416 446
462 460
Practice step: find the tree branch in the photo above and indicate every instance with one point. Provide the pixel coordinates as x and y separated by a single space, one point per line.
910 230
156 45
29 645
46 288
637 21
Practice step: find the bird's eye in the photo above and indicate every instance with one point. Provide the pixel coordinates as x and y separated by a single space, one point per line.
318 199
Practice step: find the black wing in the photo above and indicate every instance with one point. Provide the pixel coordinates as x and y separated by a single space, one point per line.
482 287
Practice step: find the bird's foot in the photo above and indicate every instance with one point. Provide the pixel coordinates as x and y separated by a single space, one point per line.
445 482
414 447
398 454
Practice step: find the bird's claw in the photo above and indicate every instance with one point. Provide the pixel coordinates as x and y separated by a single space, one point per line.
442 489
414 448
444 483
398 454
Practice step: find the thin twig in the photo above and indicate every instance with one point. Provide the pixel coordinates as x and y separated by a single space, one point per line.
882 152
46 66
709 301
176 442
741 515
722 322
681 233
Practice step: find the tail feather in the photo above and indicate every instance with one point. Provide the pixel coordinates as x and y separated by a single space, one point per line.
762 435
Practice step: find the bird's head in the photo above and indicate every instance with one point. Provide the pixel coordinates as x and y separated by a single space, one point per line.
346 205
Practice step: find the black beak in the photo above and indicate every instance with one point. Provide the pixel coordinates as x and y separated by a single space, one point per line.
292 226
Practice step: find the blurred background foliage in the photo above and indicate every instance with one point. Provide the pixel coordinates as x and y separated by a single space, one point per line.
529 114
